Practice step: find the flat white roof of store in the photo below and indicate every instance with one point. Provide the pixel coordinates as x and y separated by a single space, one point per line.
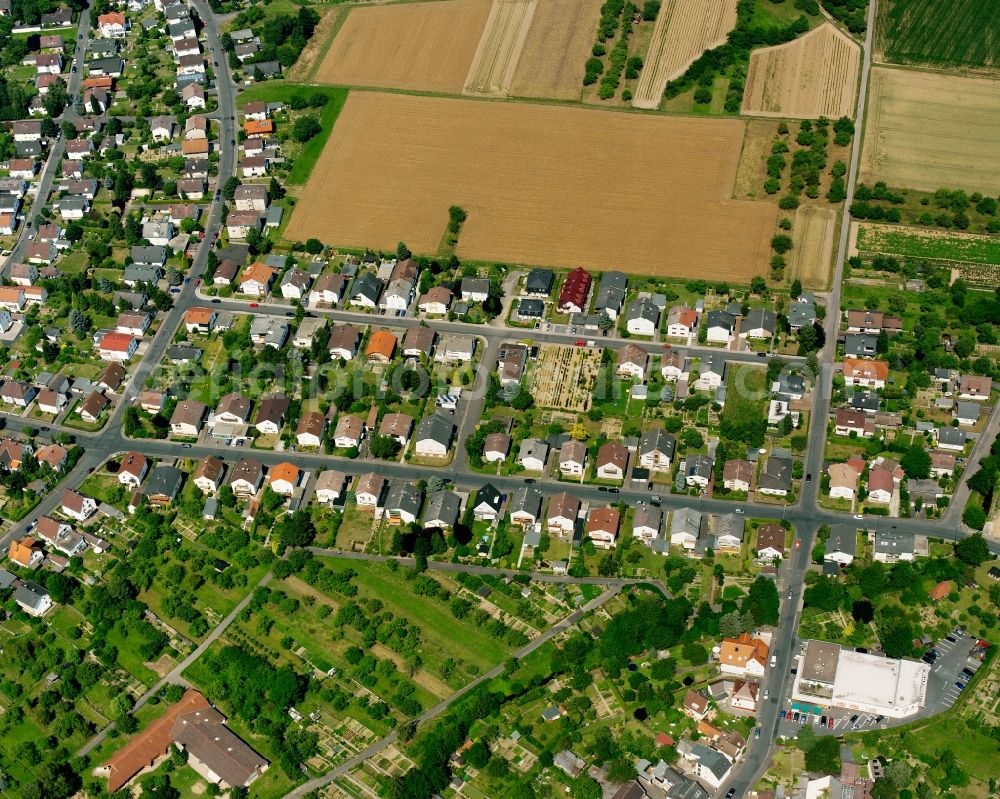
896 686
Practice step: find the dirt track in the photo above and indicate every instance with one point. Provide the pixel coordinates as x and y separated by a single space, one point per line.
541 185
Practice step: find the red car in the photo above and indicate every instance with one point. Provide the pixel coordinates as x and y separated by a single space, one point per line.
255 305
798 543
581 343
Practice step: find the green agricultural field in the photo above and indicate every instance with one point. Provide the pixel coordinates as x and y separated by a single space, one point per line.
977 256
954 34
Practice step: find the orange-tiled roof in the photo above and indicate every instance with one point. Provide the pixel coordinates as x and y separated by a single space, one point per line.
382 343
254 127
111 18
941 590
258 271
285 471
102 82
20 551
149 744
740 651
198 316
116 342
854 367
194 146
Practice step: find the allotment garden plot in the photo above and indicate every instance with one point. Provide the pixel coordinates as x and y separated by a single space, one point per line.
564 377
927 131
815 75
977 258
541 185
419 46
684 30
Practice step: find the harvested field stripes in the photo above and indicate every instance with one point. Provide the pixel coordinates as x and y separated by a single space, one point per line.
546 185
558 42
927 131
416 46
495 61
815 75
684 29
813 251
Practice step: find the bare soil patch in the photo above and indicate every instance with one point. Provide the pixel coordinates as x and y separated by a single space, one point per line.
812 252
416 46
684 30
815 75
927 131
541 185
499 50
556 48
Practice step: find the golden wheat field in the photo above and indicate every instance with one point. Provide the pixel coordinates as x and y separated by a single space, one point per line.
418 46
558 43
684 29
499 50
810 258
815 75
541 184
928 131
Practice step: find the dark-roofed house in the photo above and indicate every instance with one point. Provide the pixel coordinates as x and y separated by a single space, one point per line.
271 414
525 506
771 541
402 503
164 485
776 476
539 282
656 449
443 508
488 503
841 545
434 435
611 293
32 598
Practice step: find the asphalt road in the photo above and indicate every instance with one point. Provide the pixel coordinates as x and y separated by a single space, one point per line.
56 149
777 681
492 333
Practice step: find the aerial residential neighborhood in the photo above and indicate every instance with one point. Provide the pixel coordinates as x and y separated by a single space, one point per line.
480 399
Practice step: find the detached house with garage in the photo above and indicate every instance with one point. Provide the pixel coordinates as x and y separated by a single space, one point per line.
602 527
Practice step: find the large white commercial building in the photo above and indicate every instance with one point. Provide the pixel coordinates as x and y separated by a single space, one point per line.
833 676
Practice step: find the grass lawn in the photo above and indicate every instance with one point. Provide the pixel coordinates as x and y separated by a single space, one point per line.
444 636
129 658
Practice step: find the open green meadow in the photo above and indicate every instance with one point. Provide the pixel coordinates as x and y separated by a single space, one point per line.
960 33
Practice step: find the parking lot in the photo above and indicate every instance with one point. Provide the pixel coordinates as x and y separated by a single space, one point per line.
953 654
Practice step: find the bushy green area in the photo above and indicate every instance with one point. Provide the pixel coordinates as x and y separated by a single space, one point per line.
916 243
953 34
